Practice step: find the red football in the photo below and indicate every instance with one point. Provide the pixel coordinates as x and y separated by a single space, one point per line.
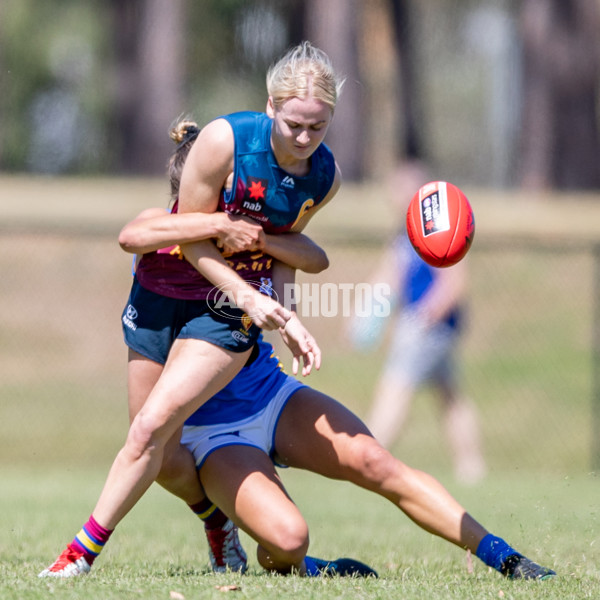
440 223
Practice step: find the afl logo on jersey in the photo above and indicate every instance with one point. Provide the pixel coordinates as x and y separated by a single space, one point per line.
288 182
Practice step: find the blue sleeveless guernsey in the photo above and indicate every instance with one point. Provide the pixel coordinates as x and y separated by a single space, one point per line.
261 190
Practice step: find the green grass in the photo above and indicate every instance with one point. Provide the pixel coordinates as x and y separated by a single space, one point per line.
160 549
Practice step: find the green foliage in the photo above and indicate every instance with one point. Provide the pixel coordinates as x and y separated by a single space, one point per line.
69 47
44 46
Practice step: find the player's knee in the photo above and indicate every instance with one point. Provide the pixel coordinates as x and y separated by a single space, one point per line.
289 540
374 463
143 437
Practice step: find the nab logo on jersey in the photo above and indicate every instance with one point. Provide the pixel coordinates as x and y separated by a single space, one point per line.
288 182
254 194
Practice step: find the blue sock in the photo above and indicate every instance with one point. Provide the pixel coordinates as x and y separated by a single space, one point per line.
493 551
312 570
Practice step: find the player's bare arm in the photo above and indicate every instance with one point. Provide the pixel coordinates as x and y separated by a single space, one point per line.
208 168
264 311
298 251
156 228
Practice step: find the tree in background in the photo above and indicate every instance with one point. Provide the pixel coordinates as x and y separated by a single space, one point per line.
560 139
333 26
360 134
148 64
53 96
92 87
411 144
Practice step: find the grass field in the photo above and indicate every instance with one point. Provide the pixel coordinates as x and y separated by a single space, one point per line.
156 550
528 366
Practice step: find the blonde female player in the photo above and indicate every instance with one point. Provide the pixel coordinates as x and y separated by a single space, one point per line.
273 168
157 230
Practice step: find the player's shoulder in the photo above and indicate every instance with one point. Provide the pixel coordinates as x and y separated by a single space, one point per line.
217 130
245 119
215 143
251 130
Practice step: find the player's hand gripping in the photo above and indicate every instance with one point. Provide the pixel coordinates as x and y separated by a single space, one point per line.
237 234
265 312
302 345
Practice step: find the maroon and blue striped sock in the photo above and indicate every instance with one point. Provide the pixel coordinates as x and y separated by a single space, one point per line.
210 513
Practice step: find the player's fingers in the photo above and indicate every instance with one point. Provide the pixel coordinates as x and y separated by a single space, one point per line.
315 352
261 242
317 356
295 365
278 317
265 321
278 321
308 363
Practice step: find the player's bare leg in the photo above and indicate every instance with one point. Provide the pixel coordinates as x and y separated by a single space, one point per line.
389 410
462 431
178 475
187 381
317 433
243 482
178 472
153 437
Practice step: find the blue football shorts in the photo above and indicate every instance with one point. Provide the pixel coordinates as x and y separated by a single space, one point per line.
421 354
257 430
151 323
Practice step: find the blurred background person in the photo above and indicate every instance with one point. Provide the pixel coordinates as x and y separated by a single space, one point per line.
427 319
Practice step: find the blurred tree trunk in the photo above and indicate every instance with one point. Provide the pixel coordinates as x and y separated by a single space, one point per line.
3 110
296 21
411 146
148 37
332 26
560 137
